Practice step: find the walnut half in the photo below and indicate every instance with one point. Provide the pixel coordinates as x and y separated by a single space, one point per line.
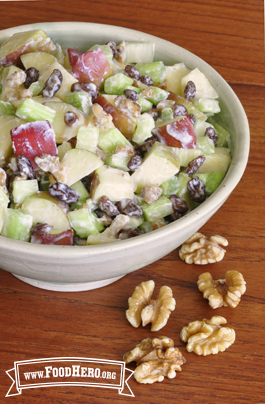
155 358
201 250
223 292
146 310
207 336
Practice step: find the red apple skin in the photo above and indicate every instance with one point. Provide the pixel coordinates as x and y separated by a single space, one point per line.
92 67
124 123
73 55
33 139
178 133
64 238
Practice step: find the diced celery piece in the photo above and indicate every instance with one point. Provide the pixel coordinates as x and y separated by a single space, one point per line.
17 224
24 188
202 177
118 161
36 87
4 200
170 187
139 52
166 114
80 100
116 84
6 108
213 181
81 189
136 89
146 226
207 105
205 144
63 149
105 49
160 208
87 138
185 155
30 111
109 140
182 192
134 222
1 87
84 222
144 127
155 70
79 204
145 104
158 95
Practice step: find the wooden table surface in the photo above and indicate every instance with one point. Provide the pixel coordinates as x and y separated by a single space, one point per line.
41 324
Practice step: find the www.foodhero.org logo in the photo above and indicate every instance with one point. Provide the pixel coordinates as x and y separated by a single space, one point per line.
86 372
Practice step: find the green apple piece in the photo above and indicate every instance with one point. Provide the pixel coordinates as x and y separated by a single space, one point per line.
6 108
155 70
39 60
200 127
79 164
185 155
84 222
157 210
207 105
68 79
81 189
87 138
114 183
213 181
218 161
62 131
166 114
158 95
63 149
4 201
80 100
24 188
118 161
110 139
145 104
170 187
203 87
7 122
58 53
17 224
205 145
36 88
24 42
174 75
117 83
145 125
105 49
158 166
46 209
139 52
31 111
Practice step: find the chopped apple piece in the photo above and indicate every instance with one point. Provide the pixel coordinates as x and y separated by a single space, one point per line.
203 87
174 75
4 200
33 139
24 42
39 60
218 161
63 238
177 133
73 55
7 122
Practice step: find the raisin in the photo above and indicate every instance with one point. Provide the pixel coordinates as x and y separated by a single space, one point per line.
146 80
41 228
210 132
194 165
142 149
192 118
32 76
132 72
196 190
107 206
190 90
53 84
70 118
113 47
179 110
24 166
134 163
131 94
129 207
180 207
129 233
63 193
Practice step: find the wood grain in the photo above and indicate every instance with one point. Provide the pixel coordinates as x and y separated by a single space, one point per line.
37 323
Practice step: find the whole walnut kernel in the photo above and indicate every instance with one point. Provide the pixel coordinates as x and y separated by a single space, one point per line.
223 292
201 250
155 358
146 310
207 337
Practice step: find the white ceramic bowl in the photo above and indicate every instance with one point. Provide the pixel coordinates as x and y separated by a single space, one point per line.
64 268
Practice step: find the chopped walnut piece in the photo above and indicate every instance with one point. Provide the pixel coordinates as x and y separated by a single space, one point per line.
143 308
16 79
124 150
120 53
155 359
117 224
52 164
207 336
127 107
223 292
101 118
150 193
201 250
3 179
157 224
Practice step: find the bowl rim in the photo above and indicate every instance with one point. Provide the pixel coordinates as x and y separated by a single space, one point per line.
229 182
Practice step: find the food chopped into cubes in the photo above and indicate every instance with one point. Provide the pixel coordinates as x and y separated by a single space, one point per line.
102 144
